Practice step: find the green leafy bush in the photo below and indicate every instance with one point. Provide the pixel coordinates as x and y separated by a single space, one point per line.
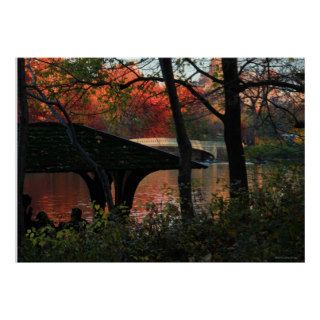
273 151
270 228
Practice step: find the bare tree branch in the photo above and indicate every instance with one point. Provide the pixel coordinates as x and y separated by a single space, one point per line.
271 82
214 79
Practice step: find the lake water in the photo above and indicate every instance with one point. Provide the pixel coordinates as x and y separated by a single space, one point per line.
57 193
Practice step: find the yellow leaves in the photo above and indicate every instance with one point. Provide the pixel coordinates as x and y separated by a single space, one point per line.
299 138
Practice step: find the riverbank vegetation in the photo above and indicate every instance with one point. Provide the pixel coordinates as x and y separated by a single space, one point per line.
275 151
270 228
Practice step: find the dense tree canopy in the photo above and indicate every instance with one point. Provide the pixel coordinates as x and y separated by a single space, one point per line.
106 94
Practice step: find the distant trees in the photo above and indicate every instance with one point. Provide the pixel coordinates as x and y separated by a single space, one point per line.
270 113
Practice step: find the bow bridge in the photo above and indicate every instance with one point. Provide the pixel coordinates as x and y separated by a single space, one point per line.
216 148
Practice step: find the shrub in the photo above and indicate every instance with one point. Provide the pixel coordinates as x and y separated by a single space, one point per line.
270 228
275 151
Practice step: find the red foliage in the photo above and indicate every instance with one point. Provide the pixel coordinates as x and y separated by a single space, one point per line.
141 111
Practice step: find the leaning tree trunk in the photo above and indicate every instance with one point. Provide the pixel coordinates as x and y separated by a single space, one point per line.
184 144
232 129
101 174
23 119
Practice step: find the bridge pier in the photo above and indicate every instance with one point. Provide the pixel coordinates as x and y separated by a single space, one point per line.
125 185
95 188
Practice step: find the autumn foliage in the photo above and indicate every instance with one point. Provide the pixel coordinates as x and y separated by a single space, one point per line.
141 110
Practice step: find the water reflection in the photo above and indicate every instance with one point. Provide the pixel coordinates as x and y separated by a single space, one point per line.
58 193
161 186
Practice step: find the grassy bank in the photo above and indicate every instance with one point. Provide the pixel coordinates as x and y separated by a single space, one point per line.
275 151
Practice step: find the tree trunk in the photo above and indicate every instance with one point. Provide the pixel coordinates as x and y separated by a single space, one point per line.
23 117
101 174
232 129
184 144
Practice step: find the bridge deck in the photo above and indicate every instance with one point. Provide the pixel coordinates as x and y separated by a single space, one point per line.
161 142
50 150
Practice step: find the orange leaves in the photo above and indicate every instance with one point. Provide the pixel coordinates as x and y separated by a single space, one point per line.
141 110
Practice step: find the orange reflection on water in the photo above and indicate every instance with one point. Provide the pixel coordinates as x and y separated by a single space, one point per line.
58 193
161 186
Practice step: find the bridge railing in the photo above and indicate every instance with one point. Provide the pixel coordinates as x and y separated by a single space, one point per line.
209 146
173 142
